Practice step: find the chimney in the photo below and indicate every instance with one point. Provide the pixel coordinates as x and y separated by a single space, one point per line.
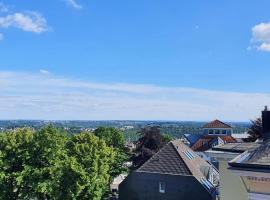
266 124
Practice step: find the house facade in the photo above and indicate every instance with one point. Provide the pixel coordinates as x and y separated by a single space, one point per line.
173 173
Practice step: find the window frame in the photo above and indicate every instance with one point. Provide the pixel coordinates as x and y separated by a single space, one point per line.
162 187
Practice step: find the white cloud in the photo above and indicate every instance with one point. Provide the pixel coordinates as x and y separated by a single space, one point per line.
45 72
261 36
1 36
35 96
3 8
74 4
30 22
264 47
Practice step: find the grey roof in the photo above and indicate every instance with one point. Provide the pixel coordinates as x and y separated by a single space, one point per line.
176 158
237 147
258 158
167 161
261 155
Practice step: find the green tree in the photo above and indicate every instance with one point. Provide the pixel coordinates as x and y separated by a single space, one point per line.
115 139
14 158
87 172
49 165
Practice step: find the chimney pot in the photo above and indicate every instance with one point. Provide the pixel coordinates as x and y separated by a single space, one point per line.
265 108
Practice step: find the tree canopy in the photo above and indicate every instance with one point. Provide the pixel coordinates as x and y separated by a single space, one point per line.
150 141
115 139
47 164
255 130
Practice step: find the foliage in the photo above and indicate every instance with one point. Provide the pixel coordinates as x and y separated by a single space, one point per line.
91 163
115 139
255 130
47 164
148 144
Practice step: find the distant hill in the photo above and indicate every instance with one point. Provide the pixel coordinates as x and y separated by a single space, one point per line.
130 127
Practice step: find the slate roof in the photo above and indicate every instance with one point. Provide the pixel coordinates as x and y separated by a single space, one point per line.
216 124
167 161
176 158
172 159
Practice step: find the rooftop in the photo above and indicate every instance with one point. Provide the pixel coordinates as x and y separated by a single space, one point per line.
236 147
216 124
258 158
167 161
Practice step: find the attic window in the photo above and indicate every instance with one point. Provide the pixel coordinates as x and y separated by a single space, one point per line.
162 187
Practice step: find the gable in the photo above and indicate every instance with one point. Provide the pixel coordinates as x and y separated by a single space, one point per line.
166 161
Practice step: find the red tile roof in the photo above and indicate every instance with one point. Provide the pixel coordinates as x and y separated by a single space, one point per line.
216 124
205 142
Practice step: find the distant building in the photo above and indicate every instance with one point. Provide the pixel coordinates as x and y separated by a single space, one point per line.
213 133
173 173
254 166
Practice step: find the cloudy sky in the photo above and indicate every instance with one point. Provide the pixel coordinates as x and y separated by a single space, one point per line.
155 59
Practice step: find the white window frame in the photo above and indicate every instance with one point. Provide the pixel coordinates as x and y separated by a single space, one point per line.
162 187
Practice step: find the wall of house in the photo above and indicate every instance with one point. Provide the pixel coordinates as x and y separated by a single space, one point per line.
145 186
229 131
231 186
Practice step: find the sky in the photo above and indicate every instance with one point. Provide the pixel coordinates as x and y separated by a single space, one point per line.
134 60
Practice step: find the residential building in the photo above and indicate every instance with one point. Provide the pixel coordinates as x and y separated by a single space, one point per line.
253 167
173 173
231 186
213 133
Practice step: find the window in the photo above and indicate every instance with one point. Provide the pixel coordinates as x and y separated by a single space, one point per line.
189 154
217 132
210 132
224 132
162 187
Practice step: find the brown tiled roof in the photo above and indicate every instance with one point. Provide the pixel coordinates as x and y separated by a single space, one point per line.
209 140
216 124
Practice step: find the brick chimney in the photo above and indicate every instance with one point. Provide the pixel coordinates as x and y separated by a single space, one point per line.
266 124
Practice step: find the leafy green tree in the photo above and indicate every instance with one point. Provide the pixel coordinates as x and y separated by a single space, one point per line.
49 165
167 138
115 139
14 158
87 171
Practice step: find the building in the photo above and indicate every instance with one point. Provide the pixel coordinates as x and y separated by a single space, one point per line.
173 173
231 186
213 133
253 167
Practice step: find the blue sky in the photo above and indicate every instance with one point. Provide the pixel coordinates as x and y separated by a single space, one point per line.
197 60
